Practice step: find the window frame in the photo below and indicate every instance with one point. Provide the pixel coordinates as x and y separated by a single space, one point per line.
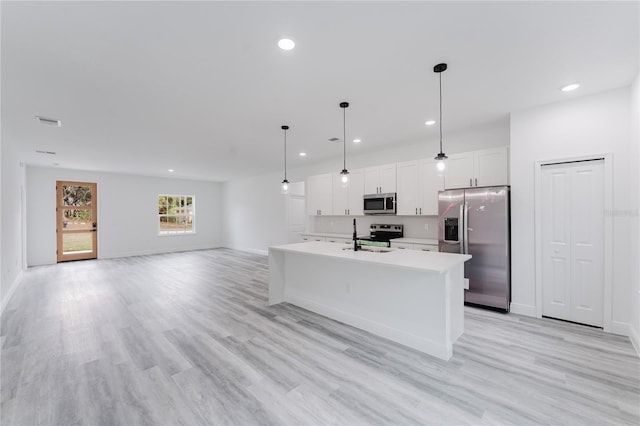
188 215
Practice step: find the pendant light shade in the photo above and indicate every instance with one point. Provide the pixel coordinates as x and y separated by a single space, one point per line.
285 182
345 173
439 69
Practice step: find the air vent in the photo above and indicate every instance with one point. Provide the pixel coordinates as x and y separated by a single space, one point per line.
39 151
334 139
49 121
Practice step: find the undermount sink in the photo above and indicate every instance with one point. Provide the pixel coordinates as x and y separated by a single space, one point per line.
372 249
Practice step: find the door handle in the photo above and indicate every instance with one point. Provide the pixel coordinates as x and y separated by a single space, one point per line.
466 229
461 225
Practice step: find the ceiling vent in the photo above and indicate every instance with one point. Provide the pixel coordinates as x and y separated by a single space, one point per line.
49 121
39 151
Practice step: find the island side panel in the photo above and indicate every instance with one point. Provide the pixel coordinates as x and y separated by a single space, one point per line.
277 277
455 282
407 306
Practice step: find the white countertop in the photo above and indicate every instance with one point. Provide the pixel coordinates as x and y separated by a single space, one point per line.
410 259
415 241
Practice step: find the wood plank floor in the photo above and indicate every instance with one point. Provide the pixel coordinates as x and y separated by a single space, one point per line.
187 339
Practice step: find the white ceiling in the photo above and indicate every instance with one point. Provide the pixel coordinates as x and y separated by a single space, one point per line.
203 88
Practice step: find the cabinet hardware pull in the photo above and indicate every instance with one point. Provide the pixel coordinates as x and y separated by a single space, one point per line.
470 182
476 181
416 210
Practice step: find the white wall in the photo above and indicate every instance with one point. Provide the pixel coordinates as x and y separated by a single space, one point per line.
254 212
596 124
12 227
127 213
635 214
254 209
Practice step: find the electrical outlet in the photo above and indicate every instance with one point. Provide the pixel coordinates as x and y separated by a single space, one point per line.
331 224
348 288
426 226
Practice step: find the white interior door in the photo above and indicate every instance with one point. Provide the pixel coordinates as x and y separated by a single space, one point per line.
572 241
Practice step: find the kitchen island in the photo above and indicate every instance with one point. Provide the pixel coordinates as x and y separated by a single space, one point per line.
412 297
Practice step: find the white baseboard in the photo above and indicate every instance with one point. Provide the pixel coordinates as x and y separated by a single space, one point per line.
522 309
256 251
14 285
626 329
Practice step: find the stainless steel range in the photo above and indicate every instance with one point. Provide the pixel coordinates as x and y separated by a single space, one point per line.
381 235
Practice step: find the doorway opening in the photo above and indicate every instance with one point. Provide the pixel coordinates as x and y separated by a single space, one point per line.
76 221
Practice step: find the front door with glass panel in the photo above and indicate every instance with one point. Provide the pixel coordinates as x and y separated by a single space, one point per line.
77 224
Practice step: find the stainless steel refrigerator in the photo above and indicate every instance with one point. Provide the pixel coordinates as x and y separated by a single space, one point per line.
476 221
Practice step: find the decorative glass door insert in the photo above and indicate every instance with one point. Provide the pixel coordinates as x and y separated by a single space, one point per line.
77 224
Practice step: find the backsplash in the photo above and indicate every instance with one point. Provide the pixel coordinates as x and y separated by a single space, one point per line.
414 226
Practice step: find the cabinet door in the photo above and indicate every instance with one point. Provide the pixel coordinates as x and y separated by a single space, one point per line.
425 247
372 180
491 167
355 193
380 179
319 195
431 181
340 196
388 178
408 200
402 246
459 171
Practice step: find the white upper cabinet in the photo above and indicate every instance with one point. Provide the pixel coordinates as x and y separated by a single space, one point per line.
418 184
320 195
348 200
491 167
380 179
487 167
431 181
459 171
408 198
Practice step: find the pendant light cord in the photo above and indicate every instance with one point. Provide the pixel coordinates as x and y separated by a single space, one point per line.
344 138
440 75
285 154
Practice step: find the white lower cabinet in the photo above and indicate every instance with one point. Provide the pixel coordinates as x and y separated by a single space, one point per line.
414 246
326 238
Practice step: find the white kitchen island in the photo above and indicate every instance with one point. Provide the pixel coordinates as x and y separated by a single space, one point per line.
412 297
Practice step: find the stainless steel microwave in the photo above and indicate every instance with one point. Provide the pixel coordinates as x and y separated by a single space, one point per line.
380 203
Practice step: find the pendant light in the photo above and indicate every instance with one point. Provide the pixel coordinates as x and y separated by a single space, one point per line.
440 68
344 172
285 182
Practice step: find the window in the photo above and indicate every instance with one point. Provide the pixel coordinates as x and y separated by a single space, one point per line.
176 214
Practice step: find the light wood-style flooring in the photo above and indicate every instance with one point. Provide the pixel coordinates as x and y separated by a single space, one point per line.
188 339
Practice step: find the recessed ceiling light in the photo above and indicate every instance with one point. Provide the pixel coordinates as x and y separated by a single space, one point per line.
171 170
570 87
303 154
357 141
49 121
429 123
286 44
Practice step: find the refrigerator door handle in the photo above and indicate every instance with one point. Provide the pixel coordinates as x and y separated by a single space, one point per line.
461 225
465 226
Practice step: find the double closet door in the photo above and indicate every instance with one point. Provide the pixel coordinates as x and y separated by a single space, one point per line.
573 241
